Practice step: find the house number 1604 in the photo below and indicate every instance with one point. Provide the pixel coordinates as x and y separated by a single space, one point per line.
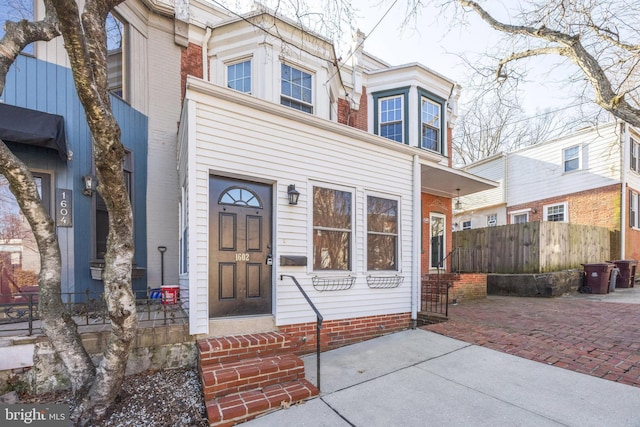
242 257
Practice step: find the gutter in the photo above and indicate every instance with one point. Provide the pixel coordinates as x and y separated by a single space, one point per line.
624 139
417 233
205 54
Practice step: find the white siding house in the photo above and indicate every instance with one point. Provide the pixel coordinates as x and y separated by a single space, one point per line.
268 119
486 208
590 177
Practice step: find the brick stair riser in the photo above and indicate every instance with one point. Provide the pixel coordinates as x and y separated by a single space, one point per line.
220 380
233 349
226 411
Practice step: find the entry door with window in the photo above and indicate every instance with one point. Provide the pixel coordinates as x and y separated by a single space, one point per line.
240 256
437 249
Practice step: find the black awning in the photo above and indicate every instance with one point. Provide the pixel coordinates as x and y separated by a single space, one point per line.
25 126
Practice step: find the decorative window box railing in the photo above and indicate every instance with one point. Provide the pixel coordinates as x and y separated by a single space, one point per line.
384 282
333 283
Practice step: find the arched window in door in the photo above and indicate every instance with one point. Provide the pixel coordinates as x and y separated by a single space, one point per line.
240 196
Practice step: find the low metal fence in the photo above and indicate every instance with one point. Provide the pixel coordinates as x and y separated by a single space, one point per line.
19 312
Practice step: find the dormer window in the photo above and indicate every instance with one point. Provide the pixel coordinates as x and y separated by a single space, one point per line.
390 114
296 89
239 76
431 125
391 118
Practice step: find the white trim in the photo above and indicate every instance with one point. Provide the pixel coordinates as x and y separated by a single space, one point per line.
365 215
545 211
401 96
444 234
352 260
578 157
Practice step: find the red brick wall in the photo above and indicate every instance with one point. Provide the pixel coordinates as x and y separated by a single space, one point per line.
190 63
441 205
354 118
468 287
599 207
336 333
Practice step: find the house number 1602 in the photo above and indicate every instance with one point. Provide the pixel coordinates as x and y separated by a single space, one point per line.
242 257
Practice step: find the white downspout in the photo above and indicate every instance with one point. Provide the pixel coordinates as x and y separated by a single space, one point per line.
417 233
205 54
623 191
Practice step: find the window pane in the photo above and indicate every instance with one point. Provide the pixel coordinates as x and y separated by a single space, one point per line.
115 46
296 88
19 255
555 213
382 238
332 229
430 116
239 76
381 252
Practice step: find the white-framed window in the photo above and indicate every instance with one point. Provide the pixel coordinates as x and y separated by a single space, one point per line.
520 218
437 249
391 117
296 88
634 163
116 55
431 124
19 254
239 76
382 233
466 225
492 220
332 228
571 158
557 212
634 221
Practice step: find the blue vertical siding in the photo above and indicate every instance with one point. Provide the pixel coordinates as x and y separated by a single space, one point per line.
47 87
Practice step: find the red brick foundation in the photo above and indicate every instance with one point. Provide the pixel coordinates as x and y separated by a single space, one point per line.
336 333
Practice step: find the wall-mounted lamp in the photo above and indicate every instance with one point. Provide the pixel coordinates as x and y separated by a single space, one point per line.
458 205
293 194
89 185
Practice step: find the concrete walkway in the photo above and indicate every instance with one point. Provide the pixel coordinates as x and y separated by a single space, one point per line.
420 378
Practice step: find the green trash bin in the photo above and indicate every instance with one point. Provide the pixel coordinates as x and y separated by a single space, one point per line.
596 277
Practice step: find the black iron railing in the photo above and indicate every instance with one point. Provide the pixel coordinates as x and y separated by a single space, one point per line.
19 312
319 319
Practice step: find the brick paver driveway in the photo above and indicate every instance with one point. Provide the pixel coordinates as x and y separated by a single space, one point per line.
577 333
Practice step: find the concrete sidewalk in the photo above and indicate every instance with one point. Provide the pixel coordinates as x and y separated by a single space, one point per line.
419 378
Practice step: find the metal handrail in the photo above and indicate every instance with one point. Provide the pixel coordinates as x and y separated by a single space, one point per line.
319 319
440 264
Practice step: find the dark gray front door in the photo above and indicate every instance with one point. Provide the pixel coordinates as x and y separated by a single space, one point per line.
239 247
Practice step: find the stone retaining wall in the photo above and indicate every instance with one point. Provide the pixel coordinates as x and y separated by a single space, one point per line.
40 369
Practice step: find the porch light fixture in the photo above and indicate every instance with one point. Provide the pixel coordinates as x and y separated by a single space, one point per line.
293 194
458 205
89 185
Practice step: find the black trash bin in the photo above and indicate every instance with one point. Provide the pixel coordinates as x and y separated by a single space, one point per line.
596 277
627 275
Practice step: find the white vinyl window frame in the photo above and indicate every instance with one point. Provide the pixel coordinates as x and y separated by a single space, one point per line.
391 117
634 160
387 232
557 212
571 159
492 220
240 75
516 217
315 228
634 220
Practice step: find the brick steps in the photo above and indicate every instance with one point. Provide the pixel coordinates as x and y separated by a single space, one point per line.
256 372
247 375
238 407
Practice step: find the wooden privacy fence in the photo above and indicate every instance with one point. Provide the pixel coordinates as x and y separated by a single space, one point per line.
533 247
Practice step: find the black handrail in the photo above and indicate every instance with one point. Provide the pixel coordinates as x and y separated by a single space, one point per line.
440 264
319 319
